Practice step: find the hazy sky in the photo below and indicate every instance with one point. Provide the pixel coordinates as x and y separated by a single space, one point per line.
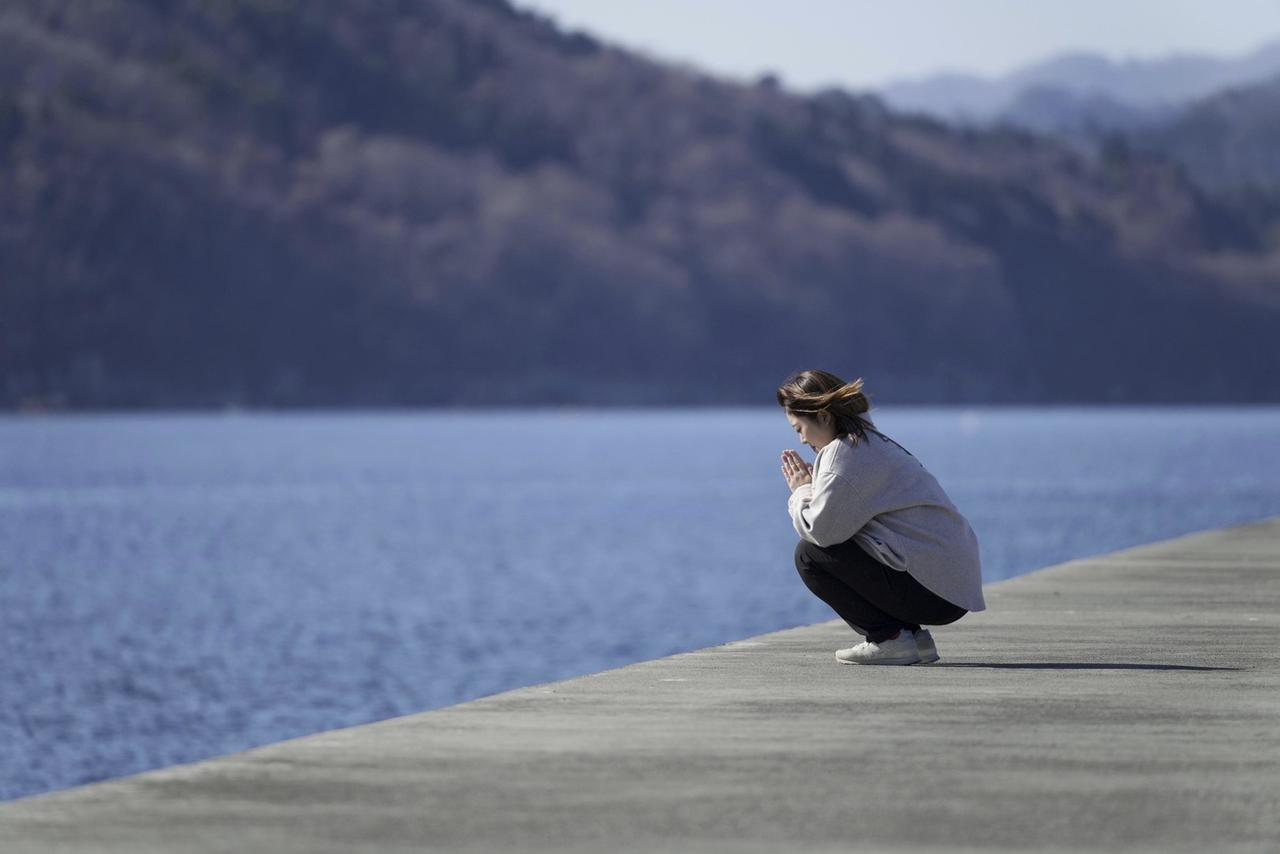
861 43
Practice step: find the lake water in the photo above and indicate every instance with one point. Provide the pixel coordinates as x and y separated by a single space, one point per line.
179 586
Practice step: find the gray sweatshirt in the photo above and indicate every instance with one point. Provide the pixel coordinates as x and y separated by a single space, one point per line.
884 498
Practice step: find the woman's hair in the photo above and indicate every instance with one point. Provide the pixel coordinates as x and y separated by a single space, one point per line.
806 393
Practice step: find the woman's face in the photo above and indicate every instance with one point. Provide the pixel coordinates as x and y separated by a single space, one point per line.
815 430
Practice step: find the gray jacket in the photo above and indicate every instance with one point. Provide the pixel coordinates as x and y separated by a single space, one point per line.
883 497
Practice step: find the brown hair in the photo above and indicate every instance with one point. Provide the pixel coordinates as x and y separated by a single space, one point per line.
806 393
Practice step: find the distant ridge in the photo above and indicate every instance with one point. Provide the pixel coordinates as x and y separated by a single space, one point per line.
1143 85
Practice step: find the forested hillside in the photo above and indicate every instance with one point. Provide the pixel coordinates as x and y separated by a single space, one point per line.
358 202
1229 143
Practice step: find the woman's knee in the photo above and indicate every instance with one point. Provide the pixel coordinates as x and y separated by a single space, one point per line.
804 556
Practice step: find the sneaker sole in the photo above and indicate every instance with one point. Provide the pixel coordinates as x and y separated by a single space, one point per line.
881 662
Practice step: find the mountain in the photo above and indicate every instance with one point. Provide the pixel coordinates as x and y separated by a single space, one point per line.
371 202
1077 80
1070 115
1229 142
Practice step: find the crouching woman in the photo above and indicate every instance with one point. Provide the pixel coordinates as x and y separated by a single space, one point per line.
880 542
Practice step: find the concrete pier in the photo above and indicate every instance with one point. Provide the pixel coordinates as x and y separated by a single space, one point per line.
1126 701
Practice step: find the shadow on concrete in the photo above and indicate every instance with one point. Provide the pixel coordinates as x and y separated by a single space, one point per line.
1075 665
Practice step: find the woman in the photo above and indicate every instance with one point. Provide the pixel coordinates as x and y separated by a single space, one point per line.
881 543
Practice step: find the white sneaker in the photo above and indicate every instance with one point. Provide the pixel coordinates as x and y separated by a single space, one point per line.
899 650
924 646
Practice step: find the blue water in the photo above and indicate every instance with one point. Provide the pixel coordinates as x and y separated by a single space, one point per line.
181 586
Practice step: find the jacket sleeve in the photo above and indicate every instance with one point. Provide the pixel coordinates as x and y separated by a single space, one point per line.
828 511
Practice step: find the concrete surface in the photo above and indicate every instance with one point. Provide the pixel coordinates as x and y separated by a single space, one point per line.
1128 701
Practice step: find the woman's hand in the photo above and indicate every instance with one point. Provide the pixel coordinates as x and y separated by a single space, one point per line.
795 470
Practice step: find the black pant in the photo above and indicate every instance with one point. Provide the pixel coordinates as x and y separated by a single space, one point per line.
875 600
